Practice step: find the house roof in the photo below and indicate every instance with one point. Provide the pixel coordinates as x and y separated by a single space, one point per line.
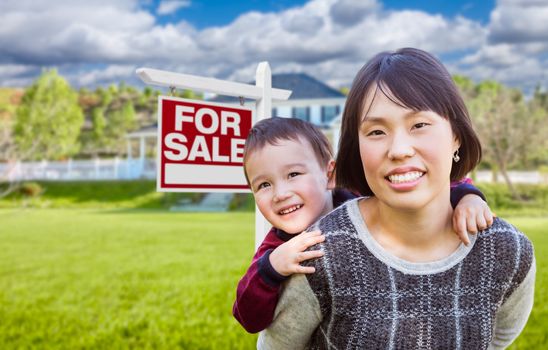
302 85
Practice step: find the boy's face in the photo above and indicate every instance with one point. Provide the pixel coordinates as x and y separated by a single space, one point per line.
291 189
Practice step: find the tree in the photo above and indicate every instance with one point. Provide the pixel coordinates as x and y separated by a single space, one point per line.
505 126
99 122
94 140
8 154
120 121
105 96
49 119
114 111
538 109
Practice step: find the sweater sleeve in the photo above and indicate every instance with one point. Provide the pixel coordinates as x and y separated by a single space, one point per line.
296 318
258 290
513 314
461 189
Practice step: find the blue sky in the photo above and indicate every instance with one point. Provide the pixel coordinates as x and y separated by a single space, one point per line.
101 42
203 14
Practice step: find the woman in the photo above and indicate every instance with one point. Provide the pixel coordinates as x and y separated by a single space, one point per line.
394 275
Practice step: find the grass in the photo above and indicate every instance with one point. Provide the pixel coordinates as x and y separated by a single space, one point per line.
535 334
75 279
121 279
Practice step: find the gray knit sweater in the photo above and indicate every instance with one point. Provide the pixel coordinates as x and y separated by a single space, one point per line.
363 297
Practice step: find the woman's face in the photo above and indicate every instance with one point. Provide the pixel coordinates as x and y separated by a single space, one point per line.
406 155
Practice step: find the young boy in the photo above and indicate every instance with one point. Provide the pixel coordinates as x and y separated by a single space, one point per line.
289 165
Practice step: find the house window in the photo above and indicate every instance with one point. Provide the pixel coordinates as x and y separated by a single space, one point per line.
301 113
328 113
274 112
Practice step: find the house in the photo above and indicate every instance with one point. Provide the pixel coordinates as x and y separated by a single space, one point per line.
311 100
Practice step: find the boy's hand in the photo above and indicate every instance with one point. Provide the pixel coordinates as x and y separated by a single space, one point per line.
285 259
471 215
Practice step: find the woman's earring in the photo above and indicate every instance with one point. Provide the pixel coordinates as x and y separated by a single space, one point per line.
456 157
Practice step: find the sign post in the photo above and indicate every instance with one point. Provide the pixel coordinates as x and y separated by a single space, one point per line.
200 144
263 79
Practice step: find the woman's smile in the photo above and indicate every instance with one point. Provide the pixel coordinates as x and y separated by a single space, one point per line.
405 182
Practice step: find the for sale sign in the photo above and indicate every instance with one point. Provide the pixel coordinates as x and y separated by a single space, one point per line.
200 146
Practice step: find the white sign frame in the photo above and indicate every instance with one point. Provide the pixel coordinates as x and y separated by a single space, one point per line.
262 92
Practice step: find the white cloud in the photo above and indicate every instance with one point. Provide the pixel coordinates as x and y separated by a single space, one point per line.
167 7
314 37
527 74
524 3
71 33
496 56
516 42
514 21
10 70
349 12
325 38
17 74
109 74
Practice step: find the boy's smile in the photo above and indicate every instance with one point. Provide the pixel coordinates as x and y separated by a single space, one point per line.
291 188
291 209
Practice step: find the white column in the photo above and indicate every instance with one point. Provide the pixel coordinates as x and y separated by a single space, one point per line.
44 169
263 79
116 165
96 168
142 148
69 169
128 149
316 114
14 173
141 155
336 137
128 159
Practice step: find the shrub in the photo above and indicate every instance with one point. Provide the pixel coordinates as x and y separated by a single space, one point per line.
543 170
242 202
31 189
500 200
169 199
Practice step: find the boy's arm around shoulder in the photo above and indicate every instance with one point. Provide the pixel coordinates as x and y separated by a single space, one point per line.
517 304
258 290
462 188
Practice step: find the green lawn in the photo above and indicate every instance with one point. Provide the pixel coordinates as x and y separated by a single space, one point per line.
74 279
120 279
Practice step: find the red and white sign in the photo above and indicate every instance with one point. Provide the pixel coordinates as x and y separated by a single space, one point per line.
200 146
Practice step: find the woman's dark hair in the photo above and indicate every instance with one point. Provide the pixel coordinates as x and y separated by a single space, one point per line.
413 79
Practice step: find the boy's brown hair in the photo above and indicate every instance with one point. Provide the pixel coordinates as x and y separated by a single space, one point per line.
271 130
413 79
